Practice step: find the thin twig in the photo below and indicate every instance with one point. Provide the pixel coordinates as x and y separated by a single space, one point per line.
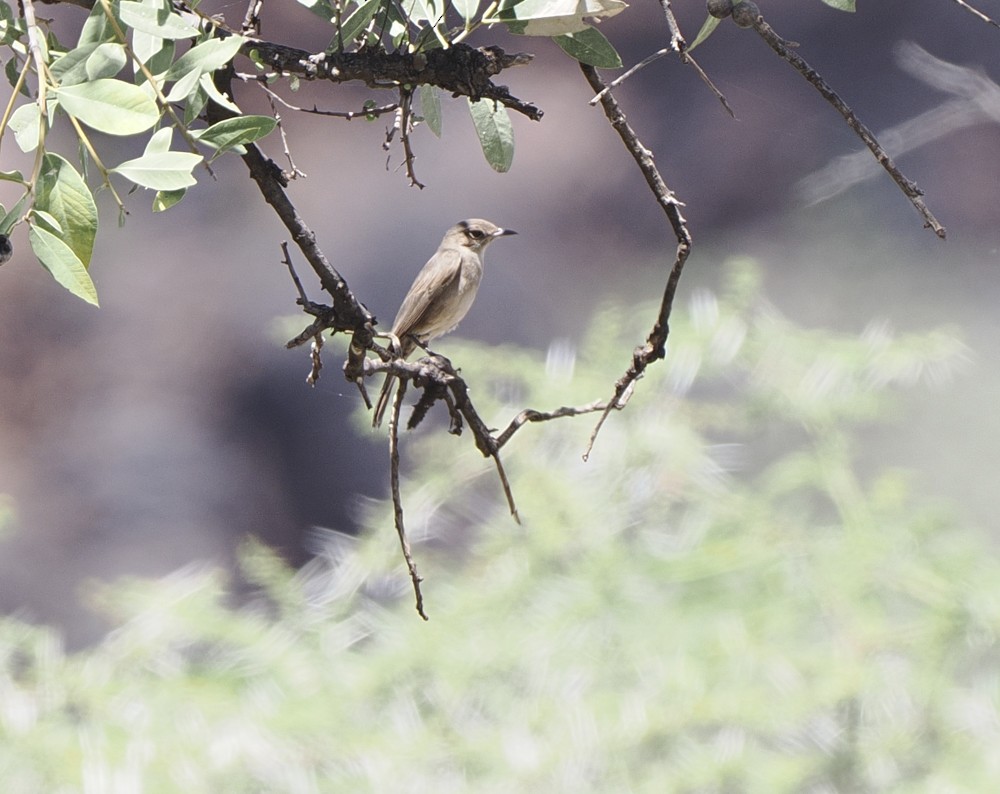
365 113
293 172
977 100
397 502
909 188
629 72
976 12
689 59
406 127
677 42
530 415
655 346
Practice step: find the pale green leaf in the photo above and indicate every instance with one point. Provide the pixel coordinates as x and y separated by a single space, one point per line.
26 125
842 5
496 134
48 221
161 170
159 141
111 106
165 199
106 61
156 53
62 193
71 68
711 23
357 22
8 221
11 176
552 17
234 132
59 259
207 84
430 107
591 47
161 21
467 8
96 28
185 86
206 57
320 8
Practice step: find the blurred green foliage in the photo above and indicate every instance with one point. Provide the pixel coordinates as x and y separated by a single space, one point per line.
716 602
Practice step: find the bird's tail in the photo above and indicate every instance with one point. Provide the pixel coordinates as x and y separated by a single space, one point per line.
383 400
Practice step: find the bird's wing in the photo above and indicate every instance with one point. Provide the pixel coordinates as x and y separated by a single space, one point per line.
428 285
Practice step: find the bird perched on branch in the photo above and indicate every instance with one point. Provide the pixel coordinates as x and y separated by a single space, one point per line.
442 292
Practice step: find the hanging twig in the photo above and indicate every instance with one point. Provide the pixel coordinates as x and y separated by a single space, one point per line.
655 346
909 188
397 501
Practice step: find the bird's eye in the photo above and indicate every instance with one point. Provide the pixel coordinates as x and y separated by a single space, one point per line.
477 234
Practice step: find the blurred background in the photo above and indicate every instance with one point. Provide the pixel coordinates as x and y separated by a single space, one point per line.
171 423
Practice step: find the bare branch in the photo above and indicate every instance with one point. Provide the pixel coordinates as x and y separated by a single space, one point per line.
460 69
530 415
909 188
655 346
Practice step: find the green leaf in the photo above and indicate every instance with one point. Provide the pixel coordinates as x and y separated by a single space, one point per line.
591 47
161 21
207 84
711 23
159 141
48 221
466 8
106 61
496 134
320 8
161 170
11 176
552 17
206 57
26 124
235 132
185 87
12 69
430 107
111 106
842 5
195 104
63 194
96 28
358 21
71 68
59 259
8 221
165 199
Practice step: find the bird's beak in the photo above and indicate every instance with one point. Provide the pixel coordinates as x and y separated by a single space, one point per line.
503 232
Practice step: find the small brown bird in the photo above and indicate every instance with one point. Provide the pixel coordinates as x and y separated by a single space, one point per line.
442 292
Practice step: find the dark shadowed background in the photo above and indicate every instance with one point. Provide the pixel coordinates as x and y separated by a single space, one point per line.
171 423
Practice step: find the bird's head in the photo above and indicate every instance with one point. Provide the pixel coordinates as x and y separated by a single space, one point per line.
475 233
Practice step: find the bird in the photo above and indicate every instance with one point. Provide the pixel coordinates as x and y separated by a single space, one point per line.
442 292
